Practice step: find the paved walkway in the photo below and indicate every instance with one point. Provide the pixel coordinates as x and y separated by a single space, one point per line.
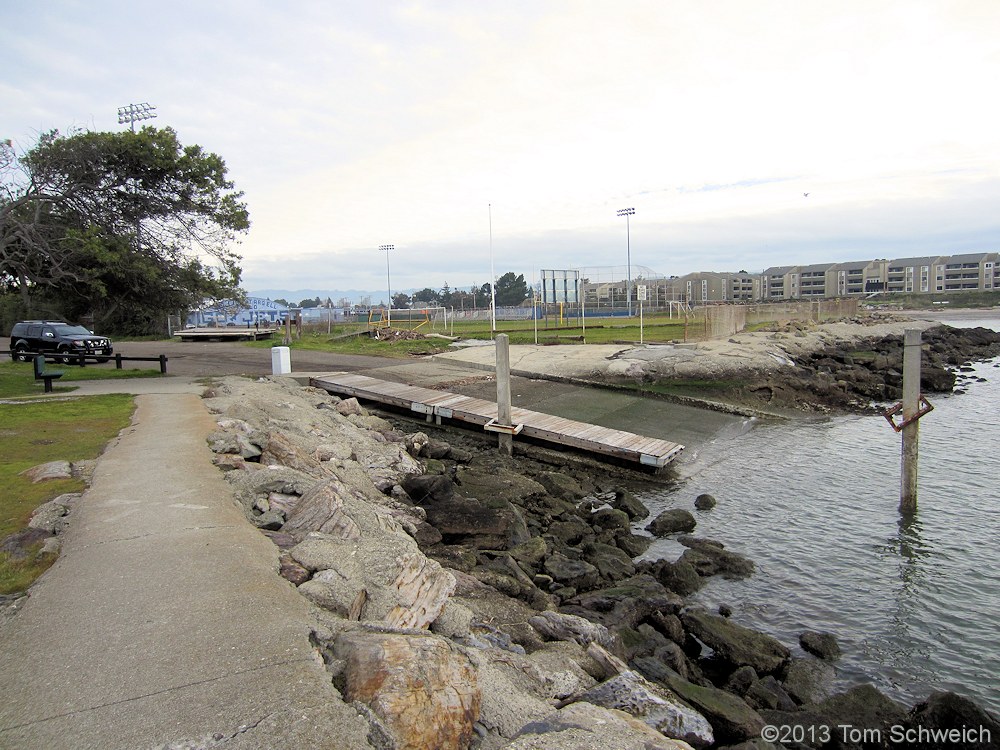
164 619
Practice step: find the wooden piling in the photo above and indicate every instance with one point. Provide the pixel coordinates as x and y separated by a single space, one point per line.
911 432
506 440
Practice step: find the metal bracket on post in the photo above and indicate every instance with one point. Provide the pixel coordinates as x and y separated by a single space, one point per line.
925 407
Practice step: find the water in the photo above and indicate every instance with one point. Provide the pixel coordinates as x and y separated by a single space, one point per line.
915 605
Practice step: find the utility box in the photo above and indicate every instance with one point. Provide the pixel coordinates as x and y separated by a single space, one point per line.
281 360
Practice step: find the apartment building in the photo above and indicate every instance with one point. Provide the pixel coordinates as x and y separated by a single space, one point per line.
970 271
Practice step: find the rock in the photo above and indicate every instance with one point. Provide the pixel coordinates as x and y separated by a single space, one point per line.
610 518
823 645
563 627
862 707
768 693
497 483
422 688
735 644
428 488
725 610
610 562
291 570
349 406
625 501
632 544
659 708
415 443
671 521
560 486
322 509
948 712
51 516
710 558
22 544
572 530
283 502
731 718
46 471
272 520
741 680
436 449
465 520
282 450
704 502
576 573
531 552
808 680
680 577
627 604
668 624
559 665
584 726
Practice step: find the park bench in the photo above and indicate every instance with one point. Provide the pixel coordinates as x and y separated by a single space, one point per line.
47 375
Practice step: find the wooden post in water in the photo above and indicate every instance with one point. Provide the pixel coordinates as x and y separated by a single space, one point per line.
911 432
503 393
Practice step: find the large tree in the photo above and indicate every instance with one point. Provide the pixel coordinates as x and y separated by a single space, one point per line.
123 225
511 290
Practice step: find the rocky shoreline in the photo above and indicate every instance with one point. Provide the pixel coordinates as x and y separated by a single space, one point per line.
467 600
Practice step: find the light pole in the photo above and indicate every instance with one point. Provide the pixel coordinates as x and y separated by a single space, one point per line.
626 212
388 283
493 280
135 112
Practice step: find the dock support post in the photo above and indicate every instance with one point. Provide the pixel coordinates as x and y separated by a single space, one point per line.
911 432
503 392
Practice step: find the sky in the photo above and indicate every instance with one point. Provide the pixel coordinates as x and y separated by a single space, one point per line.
744 133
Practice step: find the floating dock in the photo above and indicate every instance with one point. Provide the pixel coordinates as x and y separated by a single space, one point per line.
227 333
438 405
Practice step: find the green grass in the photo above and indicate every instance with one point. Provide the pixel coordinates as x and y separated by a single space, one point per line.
598 331
18 378
37 432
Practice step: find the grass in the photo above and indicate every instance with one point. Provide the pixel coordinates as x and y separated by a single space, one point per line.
37 432
18 378
598 331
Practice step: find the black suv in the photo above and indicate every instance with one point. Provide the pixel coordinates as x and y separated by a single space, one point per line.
31 337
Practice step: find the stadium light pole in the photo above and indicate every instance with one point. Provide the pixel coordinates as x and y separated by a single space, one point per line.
388 283
626 212
134 113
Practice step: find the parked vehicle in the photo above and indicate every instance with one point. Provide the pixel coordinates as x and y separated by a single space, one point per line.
30 337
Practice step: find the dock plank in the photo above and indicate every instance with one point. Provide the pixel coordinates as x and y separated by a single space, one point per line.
550 428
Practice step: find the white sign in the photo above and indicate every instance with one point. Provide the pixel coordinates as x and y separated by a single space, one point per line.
641 291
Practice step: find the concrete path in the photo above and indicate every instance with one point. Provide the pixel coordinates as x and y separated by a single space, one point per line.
164 621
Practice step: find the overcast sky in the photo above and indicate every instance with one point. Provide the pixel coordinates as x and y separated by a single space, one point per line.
359 123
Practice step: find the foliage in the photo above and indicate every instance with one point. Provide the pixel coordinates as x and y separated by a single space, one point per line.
124 226
511 290
41 431
401 300
426 296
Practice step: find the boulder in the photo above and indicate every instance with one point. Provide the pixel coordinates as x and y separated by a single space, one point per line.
348 407
575 573
428 488
423 689
808 680
560 485
731 718
741 680
283 450
657 707
768 693
631 544
735 644
322 509
610 519
497 483
571 530
704 502
671 521
680 577
23 544
465 520
564 627
531 552
709 557
625 501
435 450
47 471
611 562
626 604
51 516
584 726
415 443
823 645
947 712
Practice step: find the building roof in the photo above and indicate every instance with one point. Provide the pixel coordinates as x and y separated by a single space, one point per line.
778 270
928 260
971 257
815 267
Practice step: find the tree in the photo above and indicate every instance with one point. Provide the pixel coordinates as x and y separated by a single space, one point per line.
427 296
401 300
309 303
511 290
118 223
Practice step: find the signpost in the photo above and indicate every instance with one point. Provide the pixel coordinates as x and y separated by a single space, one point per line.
641 295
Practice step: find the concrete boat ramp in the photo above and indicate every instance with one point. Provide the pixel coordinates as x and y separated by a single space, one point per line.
437 405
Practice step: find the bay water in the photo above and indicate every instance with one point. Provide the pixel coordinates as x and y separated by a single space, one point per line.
914 604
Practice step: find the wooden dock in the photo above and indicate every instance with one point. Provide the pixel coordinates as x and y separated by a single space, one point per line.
440 405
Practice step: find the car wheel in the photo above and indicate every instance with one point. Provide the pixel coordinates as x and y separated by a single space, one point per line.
20 353
65 357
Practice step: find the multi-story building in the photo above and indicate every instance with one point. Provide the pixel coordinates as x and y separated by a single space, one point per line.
779 281
962 272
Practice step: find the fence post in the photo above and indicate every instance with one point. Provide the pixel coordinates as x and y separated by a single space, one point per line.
911 432
163 364
506 441
118 361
